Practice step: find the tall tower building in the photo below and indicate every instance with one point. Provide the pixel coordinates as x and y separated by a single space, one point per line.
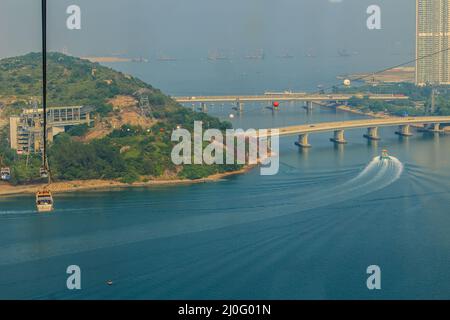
432 42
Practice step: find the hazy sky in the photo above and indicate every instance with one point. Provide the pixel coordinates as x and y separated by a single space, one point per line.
192 27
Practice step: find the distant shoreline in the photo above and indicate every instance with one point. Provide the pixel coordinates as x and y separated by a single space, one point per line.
102 185
106 59
359 112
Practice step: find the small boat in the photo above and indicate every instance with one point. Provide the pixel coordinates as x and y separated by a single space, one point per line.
5 174
286 56
44 201
344 53
109 282
385 155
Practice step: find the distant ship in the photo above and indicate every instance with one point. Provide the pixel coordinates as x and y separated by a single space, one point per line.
216 55
310 53
260 55
286 55
344 53
163 57
139 60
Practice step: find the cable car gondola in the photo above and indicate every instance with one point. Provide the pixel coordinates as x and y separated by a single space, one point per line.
5 174
43 172
44 201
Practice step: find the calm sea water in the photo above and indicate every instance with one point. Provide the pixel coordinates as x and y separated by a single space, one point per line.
308 232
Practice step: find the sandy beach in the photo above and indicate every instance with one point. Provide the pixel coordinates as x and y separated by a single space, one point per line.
89 185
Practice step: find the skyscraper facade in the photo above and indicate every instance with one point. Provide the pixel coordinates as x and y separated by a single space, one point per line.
432 42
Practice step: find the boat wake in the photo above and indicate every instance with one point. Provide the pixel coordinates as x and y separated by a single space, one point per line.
16 212
377 175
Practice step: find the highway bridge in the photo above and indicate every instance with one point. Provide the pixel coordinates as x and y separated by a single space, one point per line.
426 124
305 97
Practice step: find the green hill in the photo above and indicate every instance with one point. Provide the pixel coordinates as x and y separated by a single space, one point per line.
130 153
70 80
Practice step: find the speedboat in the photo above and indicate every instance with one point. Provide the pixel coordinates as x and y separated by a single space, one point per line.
44 201
385 155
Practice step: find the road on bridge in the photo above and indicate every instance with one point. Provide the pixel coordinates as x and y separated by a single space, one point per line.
288 97
355 124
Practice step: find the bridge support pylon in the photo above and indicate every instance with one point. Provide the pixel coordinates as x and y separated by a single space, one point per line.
405 131
339 137
372 134
308 105
432 128
303 141
240 106
435 128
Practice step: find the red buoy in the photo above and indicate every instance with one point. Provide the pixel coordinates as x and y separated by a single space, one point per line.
276 104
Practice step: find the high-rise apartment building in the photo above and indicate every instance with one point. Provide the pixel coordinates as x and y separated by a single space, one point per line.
432 42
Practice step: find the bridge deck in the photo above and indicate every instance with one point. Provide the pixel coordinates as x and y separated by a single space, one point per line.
355 124
287 97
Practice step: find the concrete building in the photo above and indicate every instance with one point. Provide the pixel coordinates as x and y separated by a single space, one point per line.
26 133
432 42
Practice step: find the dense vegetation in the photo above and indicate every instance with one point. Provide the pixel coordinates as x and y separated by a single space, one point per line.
129 154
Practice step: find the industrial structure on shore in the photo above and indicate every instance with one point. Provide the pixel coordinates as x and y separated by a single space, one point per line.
26 130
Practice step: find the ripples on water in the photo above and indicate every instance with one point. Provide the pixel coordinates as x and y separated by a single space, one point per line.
377 175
